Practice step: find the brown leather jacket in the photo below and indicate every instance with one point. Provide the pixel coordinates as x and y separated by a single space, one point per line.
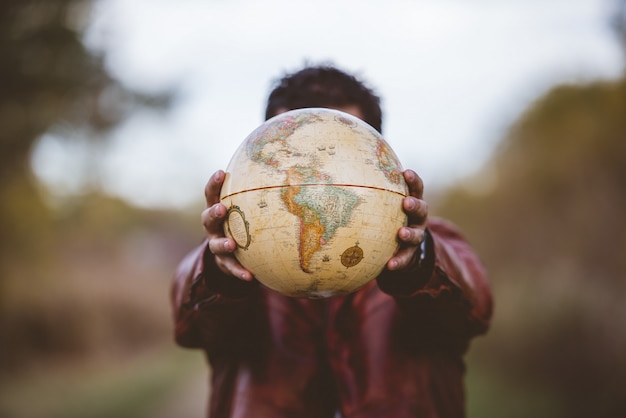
392 349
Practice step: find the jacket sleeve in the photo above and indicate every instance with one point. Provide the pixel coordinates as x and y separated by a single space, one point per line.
206 303
449 295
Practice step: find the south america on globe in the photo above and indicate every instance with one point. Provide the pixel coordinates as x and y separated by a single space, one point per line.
314 200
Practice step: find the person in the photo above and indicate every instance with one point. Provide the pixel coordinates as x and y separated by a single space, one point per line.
394 348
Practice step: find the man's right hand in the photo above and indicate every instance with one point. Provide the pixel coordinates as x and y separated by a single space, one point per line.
213 218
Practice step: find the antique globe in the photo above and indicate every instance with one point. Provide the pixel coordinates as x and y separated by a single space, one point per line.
314 200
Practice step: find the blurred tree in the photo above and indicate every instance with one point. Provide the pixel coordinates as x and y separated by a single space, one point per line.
48 79
547 215
551 231
48 76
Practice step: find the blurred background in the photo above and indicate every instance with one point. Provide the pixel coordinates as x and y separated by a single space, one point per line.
114 114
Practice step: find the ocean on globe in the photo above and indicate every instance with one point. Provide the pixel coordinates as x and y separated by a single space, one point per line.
314 200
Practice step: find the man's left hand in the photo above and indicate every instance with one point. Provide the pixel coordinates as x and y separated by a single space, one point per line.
411 236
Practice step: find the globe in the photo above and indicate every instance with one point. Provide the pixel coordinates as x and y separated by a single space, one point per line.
314 200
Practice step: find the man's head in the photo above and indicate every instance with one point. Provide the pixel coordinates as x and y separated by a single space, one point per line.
325 86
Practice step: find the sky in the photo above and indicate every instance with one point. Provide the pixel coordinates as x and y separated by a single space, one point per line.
453 75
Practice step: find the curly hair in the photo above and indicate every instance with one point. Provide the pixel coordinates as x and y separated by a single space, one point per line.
324 86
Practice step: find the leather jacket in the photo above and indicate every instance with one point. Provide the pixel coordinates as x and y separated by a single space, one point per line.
394 348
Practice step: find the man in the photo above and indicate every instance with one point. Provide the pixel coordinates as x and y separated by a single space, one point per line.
392 349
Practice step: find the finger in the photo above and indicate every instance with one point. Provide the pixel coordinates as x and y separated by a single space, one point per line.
230 265
411 236
222 246
213 187
213 218
222 249
402 259
414 183
416 209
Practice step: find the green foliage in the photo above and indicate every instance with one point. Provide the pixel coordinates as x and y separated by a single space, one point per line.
85 282
48 78
100 287
47 74
551 232
49 81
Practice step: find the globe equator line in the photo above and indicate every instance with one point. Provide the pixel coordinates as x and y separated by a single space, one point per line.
255 189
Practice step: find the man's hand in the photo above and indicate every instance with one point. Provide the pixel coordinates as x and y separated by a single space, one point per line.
411 236
213 221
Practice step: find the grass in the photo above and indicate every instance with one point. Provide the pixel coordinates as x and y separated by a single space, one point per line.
493 395
127 389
